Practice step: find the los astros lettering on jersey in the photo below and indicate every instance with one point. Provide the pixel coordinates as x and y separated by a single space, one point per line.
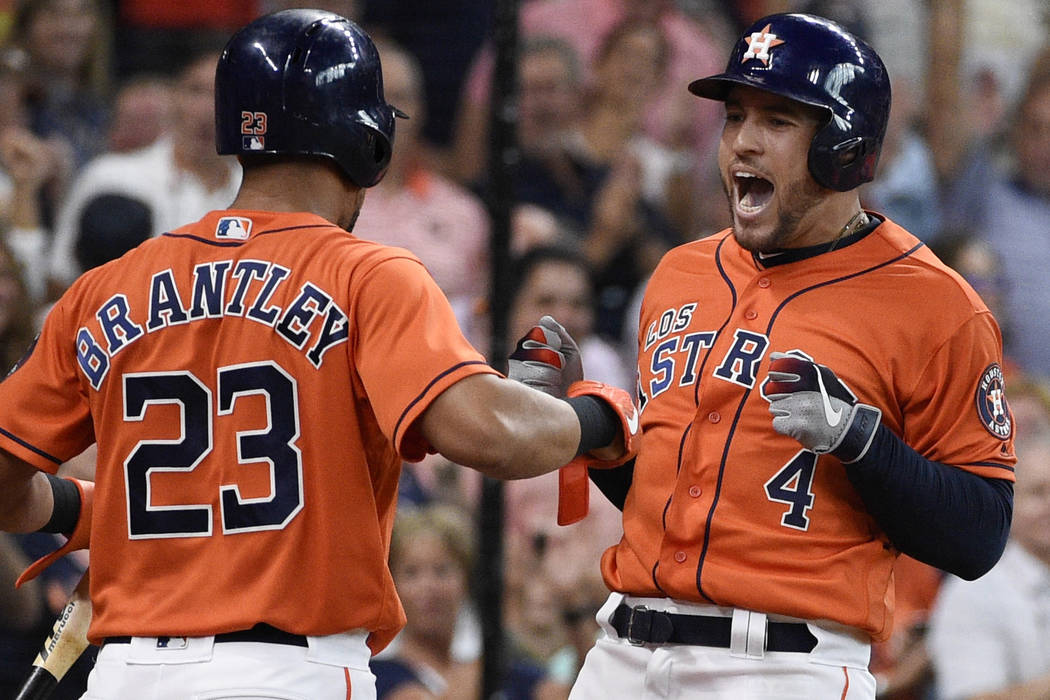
252 381
718 494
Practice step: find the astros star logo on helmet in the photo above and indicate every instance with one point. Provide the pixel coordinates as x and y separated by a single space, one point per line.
759 44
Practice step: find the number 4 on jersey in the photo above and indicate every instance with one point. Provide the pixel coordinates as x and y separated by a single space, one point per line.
793 485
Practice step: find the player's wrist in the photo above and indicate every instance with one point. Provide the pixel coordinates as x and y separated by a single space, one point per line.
599 423
622 446
66 510
856 439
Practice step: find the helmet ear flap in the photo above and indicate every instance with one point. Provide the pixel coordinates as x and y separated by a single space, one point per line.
847 152
842 163
365 155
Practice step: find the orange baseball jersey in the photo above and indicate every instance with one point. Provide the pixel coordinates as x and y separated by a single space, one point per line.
719 496
252 381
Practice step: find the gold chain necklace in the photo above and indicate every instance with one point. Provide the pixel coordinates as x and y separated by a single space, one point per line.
856 222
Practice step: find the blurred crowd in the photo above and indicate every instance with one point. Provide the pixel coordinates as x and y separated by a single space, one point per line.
107 138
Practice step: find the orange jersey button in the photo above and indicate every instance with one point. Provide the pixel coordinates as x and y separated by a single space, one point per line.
714 416
751 315
695 491
680 557
764 282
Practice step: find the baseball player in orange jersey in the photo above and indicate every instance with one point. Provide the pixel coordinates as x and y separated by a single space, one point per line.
253 381
819 393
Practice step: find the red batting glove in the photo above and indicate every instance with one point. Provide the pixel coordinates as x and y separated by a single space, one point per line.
573 483
79 539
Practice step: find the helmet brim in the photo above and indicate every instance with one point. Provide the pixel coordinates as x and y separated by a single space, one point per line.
714 87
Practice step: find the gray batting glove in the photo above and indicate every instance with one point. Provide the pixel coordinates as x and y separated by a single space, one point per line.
546 358
810 404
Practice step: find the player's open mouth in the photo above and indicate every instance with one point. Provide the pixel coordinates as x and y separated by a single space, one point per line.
753 192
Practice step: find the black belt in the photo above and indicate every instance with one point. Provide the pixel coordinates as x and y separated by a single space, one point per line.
641 625
260 633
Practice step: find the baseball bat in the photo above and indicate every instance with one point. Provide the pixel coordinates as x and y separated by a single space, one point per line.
65 644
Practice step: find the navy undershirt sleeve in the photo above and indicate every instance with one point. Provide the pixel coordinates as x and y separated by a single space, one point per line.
944 516
614 483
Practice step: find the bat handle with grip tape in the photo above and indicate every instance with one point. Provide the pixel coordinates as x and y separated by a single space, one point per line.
65 644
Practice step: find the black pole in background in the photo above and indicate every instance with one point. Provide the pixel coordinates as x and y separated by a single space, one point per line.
503 159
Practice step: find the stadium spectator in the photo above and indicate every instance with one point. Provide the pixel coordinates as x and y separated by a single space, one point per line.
27 164
178 177
989 638
557 282
65 46
142 112
418 208
443 36
629 67
431 559
1015 211
584 24
906 189
600 206
16 312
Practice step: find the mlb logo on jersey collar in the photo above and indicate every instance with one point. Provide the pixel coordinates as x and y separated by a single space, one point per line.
233 227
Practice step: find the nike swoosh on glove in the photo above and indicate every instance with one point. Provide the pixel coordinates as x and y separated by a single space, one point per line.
810 404
546 358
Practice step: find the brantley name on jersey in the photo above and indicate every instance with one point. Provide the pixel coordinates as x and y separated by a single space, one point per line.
312 322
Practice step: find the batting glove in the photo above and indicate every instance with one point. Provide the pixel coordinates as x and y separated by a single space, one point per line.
546 358
810 404
573 482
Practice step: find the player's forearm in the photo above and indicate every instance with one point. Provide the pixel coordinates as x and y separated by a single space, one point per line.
946 517
26 500
501 428
536 440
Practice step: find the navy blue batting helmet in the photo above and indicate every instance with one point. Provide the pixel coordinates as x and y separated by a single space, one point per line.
815 61
305 82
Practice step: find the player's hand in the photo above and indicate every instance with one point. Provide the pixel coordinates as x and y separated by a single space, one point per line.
810 404
546 358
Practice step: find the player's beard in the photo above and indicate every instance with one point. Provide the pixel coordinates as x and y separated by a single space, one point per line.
795 201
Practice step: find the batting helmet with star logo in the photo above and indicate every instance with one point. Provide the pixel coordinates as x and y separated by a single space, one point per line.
817 62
